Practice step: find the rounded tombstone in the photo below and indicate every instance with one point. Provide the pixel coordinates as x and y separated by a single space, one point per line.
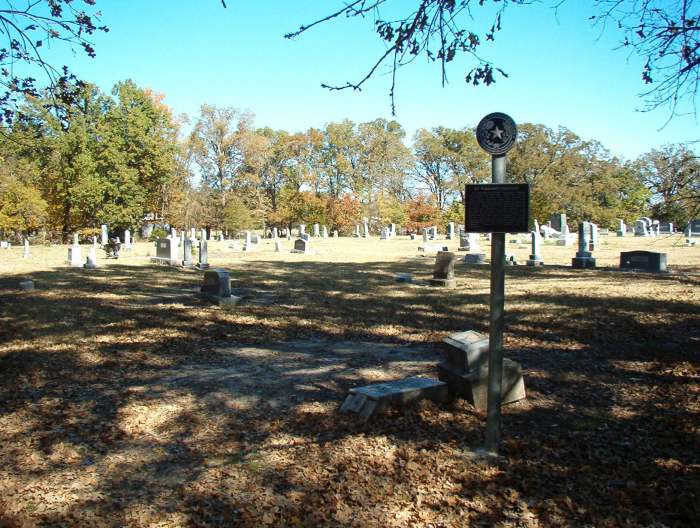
496 133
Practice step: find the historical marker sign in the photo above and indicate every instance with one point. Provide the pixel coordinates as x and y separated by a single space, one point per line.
497 208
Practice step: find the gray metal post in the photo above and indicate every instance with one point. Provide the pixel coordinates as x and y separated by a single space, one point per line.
495 382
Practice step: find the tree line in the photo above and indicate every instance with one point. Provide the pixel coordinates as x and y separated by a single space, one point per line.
95 158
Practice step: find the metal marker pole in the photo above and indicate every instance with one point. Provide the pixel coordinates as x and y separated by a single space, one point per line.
495 382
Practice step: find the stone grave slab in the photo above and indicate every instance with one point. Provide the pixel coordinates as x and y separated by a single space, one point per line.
217 288
643 261
466 350
473 386
375 399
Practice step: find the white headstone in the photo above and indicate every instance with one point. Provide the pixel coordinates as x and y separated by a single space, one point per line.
324 232
127 239
91 262
105 234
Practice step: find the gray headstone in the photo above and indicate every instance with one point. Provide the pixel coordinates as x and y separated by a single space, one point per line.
621 228
301 246
187 252
444 270
584 258
641 229
558 221
203 260
371 400
166 252
535 256
643 261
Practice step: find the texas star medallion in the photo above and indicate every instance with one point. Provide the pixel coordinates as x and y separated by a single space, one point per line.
496 133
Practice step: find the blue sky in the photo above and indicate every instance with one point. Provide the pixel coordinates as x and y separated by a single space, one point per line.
561 70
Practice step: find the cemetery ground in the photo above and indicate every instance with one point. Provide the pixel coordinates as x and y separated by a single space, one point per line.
125 400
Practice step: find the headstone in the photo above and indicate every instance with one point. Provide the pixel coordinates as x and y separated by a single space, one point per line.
558 221
474 254
584 258
305 236
594 240
412 236
278 246
444 270
193 234
105 234
666 228
274 233
643 261
187 253
91 261
693 228
433 233
392 230
535 256
357 231
371 400
4 244
27 285
127 239
217 287
203 259
384 235
317 232
221 237
248 244
465 370
302 246
166 252
365 232
655 228
450 230
324 232
565 237
335 233
640 228
302 229
173 233
202 234
75 255
425 234
621 228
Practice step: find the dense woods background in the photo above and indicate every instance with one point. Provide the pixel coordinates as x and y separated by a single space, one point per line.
118 158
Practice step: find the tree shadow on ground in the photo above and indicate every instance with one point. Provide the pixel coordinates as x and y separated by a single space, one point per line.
97 380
